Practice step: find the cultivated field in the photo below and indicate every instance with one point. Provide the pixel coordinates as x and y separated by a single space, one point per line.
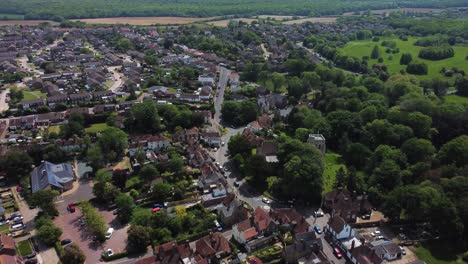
407 9
359 49
141 21
23 22
224 23
313 20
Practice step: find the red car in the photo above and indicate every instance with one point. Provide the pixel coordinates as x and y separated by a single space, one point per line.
71 208
337 252
155 209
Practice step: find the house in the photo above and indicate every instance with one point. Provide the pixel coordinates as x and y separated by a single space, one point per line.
337 228
211 138
47 119
232 211
244 231
364 255
387 250
104 108
32 104
191 98
192 134
303 246
210 177
206 79
346 204
269 150
206 114
213 247
253 139
23 122
7 250
80 98
216 197
271 102
291 219
106 95
57 99
147 143
170 253
55 176
263 221
234 81
205 93
112 59
318 140
265 121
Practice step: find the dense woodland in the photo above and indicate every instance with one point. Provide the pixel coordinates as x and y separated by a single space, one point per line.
57 10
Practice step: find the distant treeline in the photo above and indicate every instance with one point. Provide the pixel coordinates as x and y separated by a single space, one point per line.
67 9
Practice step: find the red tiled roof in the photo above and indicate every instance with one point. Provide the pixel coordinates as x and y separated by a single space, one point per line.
249 233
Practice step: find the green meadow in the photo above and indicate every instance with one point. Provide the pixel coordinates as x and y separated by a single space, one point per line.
364 48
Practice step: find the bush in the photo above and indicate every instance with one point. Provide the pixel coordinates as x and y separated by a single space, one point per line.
120 255
436 53
418 68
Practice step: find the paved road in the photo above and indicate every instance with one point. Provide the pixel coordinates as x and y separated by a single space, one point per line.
117 77
3 103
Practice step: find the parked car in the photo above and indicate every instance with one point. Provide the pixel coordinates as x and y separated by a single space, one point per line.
318 230
403 251
17 226
71 208
156 209
337 253
4 222
365 217
380 237
109 232
13 215
159 205
266 200
236 184
30 256
31 261
318 214
406 243
109 252
376 233
65 242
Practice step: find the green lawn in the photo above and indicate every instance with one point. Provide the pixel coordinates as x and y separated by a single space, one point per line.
453 98
95 128
24 248
30 95
332 165
55 129
11 17
364 48
427 256
4 229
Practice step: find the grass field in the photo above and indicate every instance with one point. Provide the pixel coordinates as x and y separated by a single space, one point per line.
31 95
453 98
364 48
225 23
313 20
55 129
11 17
332 165
95 128
425 255
24 248
4 229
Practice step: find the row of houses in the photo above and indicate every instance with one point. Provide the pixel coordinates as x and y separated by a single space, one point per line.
69 99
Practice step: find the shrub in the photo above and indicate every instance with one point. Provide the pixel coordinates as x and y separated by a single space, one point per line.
418 68
436 53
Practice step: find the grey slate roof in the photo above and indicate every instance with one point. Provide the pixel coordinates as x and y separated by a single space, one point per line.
49 173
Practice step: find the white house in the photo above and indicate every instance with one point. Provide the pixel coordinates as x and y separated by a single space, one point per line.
244 231
148 143
339 229
206 79
386 249
211 138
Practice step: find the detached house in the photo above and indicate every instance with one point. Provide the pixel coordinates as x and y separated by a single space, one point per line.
52 176
305 246
232 211
211 138
346 204
147 143
338 229
213 247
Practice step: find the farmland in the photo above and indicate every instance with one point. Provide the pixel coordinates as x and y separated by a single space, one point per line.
23 22
359 49
224 23
313 20
141 21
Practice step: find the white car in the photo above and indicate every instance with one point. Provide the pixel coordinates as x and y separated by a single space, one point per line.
376 233
109 232
266 200
318 214
380 237
109 252
403 251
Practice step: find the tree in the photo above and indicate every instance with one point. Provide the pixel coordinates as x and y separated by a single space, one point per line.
310 80
278 81
125 205
357 155
73 255
239 144
149 172
74 126
113 143
94 221
462 85
406 58
176 163
95 157
239 113
103 189
418 150
295 88
375 54
49 233
144 117
161 191
17 164
417 67
44 199
340 180
124 44
455 151
139 237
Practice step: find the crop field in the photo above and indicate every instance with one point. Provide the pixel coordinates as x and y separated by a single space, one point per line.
359 49
407 9
313 20
141 21
276 17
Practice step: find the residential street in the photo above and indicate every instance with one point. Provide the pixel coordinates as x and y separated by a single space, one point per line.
3 103
117 78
